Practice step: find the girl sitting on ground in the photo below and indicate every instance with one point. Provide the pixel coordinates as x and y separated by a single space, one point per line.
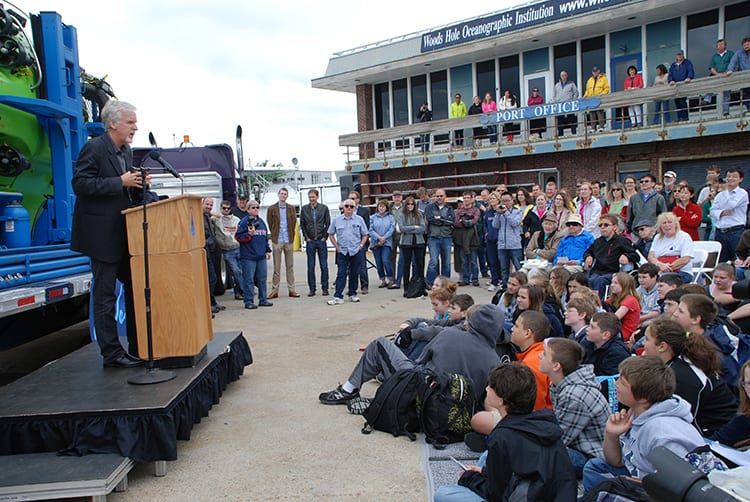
696 367
626 302
736 433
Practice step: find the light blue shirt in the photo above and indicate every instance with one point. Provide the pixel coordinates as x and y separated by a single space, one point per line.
740 61
348 232
284 227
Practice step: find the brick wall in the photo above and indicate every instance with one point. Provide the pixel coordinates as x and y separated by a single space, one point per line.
365 118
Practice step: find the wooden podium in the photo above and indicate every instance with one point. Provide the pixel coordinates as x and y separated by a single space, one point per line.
178 276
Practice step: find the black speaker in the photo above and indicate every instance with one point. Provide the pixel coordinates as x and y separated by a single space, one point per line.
350 183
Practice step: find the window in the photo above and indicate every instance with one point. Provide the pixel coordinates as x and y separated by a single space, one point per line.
565 59
509 75
663 41
461 83
486 79
382 106
737 18
400 102
592 54
418 95
536 61
439 91
702 33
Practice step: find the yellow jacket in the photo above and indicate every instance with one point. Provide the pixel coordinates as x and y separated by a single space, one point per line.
597 87
458 110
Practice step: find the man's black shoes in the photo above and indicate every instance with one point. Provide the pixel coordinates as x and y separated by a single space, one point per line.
124 361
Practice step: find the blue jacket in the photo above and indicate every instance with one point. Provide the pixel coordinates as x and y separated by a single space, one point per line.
740 61
508 225
382 226
255 246
573 247
678 73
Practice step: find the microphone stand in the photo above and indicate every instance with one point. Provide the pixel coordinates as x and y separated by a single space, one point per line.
152 375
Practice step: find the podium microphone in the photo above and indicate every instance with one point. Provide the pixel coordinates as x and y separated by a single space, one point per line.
155 155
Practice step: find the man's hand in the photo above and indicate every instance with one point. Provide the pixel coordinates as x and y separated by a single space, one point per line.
587 262
268 256
132 179
623 260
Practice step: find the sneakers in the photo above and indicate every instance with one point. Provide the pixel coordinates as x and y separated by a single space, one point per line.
491 288
325 292
365 291
475 284
358 405
335 301
394 286
353 299
337 396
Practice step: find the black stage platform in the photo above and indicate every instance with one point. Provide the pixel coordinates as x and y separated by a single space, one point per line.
75 406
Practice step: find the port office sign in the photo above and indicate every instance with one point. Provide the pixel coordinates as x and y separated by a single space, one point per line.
508 21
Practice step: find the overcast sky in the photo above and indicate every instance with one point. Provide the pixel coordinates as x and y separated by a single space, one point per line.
202 68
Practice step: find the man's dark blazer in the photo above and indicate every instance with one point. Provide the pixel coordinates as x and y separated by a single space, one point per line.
98 225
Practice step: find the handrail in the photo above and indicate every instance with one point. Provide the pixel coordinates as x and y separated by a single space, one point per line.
697 87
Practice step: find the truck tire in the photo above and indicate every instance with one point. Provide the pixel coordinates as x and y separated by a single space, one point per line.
221 273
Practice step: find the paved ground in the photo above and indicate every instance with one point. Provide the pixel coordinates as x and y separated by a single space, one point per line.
269 438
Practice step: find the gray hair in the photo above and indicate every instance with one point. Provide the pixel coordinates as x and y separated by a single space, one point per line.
112 112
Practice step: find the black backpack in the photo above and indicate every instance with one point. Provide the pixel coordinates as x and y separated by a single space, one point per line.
393 409
445 405
416 288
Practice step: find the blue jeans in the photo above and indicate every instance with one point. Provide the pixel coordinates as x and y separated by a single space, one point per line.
729 242
232 259
681 106
254 272
599 283
492 133
383 261
364 278
482 258
578 460
493 262
506 257
348 266
469 267
597 470
440 249
317 248
458 493
662 108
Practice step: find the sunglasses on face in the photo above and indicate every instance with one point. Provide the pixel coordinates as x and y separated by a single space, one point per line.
604 225
349 205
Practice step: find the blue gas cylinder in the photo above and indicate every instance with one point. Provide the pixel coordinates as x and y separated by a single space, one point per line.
15 226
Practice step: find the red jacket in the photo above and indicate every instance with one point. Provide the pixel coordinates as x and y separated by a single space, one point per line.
690 219
634 83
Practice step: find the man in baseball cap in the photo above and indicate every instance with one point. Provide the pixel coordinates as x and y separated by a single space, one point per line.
669 186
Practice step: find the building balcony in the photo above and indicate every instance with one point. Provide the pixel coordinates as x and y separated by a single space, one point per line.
402 146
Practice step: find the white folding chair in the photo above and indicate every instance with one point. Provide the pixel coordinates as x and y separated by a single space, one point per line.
699 261
713 249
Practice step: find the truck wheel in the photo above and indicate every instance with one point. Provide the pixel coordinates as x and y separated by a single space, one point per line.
221 273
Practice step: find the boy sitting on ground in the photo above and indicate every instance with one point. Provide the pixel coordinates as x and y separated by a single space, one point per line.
414 334
665 284
524 452
528 334
577 400
655 418
605 350
578 314
469 352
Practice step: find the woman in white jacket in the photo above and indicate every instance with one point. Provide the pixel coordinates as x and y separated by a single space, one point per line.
589 208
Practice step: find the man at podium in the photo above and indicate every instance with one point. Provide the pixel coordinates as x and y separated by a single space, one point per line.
102 182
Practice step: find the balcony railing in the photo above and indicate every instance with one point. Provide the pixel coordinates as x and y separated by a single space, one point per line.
705 97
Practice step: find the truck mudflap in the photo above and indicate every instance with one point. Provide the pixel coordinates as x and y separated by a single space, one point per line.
39 294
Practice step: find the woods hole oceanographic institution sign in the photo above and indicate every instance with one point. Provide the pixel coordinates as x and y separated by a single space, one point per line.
505 22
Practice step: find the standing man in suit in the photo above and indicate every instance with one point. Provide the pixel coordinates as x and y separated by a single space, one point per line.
102 182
